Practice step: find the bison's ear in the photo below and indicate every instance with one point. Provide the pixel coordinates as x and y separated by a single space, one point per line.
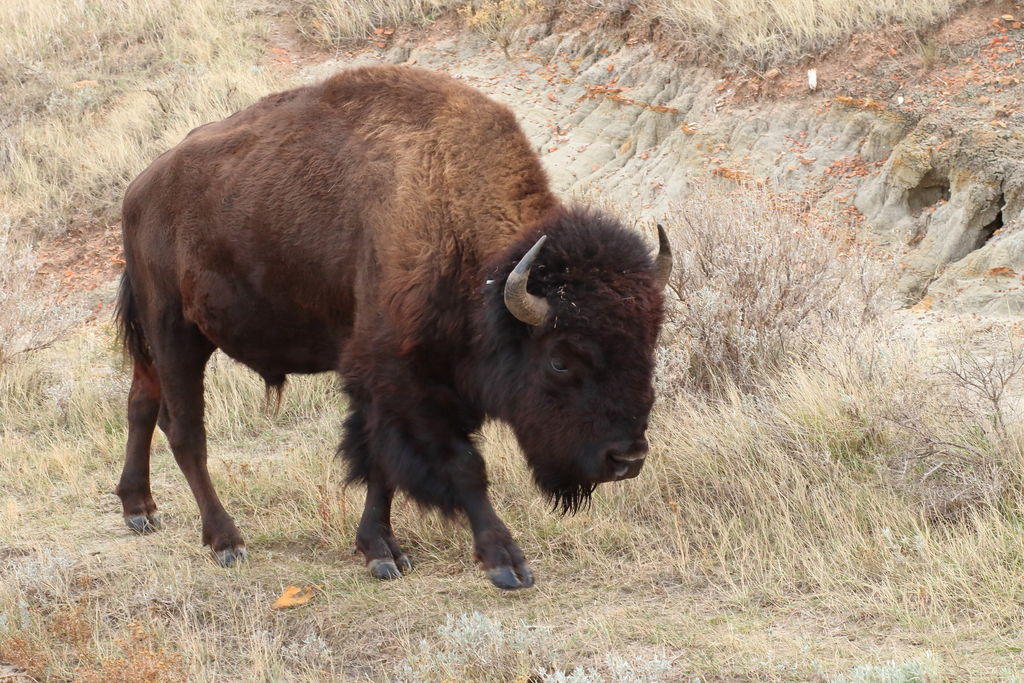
530 309
663 262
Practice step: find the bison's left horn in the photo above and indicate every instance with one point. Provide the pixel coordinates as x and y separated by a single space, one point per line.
663 262
530 309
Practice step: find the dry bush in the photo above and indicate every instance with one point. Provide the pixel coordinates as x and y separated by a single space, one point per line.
757 284
497 20
94 90
761 34
29 321
329 23
964 441
475 647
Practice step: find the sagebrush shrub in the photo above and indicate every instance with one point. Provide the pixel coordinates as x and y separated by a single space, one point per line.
757 282
28 318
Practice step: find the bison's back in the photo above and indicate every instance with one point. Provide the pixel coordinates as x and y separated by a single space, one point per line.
315 211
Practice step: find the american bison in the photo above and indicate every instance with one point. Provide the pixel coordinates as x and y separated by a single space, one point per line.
392 225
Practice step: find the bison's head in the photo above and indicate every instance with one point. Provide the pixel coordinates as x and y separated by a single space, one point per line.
572 317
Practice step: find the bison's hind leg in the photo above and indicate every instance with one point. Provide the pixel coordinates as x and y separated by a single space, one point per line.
140 513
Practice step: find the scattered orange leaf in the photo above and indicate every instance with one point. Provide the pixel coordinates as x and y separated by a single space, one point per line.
924 305
1002 270
293 596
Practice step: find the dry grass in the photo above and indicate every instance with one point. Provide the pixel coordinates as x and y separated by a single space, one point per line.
844 505
761 34
29 320
732 32
331 23
94 90
832 521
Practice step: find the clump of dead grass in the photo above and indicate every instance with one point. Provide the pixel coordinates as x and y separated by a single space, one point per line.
497 20
476 647
330 23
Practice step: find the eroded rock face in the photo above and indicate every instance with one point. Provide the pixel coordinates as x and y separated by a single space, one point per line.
952 196
618 123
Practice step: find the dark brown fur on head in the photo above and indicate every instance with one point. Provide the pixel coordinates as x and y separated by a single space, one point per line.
606 311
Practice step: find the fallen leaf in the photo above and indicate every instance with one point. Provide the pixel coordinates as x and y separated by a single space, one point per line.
293 596
1002 270
924 304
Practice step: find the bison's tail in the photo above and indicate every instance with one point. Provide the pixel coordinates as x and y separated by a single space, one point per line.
129 328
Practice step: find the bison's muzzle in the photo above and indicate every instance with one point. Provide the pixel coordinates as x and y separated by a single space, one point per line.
623 460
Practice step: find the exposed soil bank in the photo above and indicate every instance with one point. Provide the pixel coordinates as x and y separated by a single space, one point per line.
926 158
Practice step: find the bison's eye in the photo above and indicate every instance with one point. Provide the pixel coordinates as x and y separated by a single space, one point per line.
558 365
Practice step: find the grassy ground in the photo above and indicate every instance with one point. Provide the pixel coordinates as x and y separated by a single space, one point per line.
94 90
833 495
857 504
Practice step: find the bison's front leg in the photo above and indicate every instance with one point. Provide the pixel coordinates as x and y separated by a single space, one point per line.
412 453
494 548
374 538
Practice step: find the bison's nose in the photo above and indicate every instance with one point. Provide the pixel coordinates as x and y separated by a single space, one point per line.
625 458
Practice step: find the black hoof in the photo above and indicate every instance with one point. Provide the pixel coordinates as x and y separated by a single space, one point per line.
386 570
143 524
229 557
509 578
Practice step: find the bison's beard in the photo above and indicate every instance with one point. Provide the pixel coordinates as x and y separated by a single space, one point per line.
570 498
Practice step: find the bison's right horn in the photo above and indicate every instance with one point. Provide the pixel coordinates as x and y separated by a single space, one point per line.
530 309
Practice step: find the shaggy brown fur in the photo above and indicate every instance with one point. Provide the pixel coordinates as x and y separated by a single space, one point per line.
350 226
